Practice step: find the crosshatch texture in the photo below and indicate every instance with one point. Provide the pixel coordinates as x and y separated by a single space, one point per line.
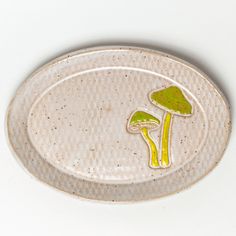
67 124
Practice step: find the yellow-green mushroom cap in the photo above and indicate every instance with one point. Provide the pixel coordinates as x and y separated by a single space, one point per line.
172 100
140 120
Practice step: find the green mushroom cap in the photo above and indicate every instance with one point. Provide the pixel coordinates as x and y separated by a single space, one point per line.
142 119
172 100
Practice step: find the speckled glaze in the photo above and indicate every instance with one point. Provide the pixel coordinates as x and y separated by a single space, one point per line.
67 124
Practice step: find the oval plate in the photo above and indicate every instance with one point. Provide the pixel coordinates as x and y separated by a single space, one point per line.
118 124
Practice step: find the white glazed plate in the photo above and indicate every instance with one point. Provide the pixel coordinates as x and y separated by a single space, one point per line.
118 124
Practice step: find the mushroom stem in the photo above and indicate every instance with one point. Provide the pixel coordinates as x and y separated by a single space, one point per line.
165 160
154 163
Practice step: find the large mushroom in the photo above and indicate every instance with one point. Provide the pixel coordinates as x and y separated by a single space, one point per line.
143 122
173 101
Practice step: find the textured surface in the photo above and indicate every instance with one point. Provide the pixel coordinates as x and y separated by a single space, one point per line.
67 124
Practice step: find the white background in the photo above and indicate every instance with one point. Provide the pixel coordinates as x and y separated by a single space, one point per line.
33 32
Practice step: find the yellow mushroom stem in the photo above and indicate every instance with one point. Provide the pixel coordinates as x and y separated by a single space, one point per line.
165 152
154 163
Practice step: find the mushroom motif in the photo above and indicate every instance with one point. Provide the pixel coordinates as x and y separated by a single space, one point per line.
143 122
173 101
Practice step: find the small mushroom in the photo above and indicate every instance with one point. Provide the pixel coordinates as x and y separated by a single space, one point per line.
173 101
143 122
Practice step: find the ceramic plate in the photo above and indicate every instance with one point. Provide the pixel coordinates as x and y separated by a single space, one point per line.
118 124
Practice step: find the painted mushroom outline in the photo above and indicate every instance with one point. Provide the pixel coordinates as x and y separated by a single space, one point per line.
173 101
142 122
